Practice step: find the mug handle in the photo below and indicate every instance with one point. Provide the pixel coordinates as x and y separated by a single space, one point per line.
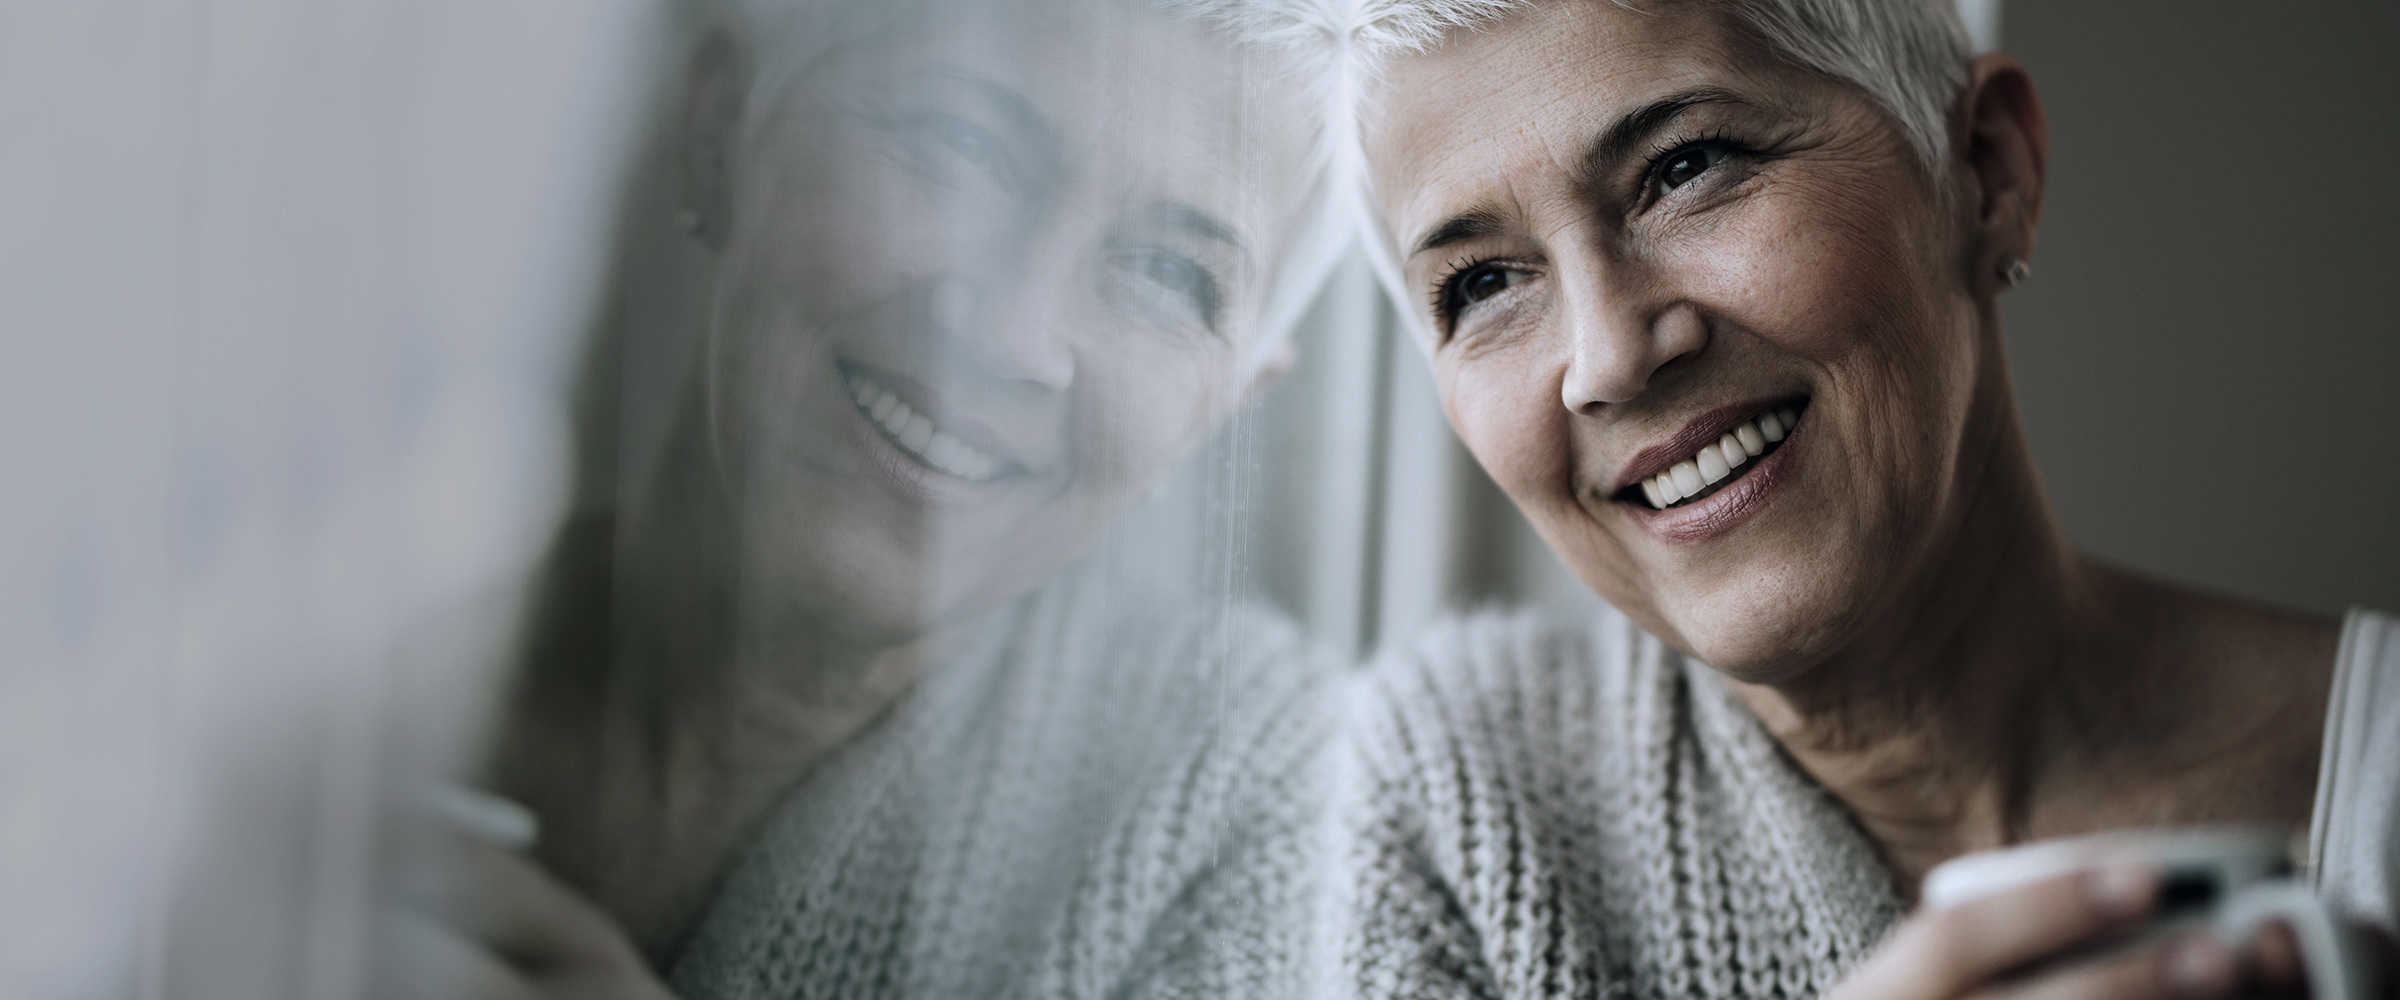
2335 969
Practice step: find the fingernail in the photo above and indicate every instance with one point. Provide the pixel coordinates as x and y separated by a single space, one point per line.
2121 890
482 814
2200 967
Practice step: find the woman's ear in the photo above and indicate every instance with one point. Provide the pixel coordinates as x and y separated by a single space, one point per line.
2007 145
716 83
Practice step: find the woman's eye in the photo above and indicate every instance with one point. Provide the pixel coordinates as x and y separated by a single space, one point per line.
1476 284
970 143
937 141
1189 285
1685 165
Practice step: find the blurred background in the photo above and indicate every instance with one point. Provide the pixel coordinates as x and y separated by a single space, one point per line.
292 289
295 290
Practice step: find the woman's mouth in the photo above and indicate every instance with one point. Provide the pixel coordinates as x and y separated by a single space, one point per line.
1719 463
916 435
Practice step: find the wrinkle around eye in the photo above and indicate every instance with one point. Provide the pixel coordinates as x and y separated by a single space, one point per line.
1493 322
1166 285
1449 289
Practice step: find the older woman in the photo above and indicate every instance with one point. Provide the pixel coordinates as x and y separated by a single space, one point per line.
799 718
1710 289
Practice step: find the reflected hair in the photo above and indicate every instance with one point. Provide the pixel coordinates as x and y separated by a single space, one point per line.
787 35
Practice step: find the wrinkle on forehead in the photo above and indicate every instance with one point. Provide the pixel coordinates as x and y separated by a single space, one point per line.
1147 105
1455 126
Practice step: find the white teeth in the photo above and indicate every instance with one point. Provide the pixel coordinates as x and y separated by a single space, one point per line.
1717 460
1732 450
943 449
916 434
1687 477
958 457
1712 465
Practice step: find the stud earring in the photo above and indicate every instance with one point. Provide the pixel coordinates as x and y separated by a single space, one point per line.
2014 270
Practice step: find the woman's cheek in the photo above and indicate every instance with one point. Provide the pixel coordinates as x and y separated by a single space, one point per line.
1793 275
1500 413
1144 410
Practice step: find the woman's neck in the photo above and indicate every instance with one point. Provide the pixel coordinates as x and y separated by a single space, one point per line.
2023 690
658 724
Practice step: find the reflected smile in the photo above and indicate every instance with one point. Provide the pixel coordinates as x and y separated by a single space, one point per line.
917 435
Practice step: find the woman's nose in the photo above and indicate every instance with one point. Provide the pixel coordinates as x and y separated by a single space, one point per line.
1617 340
1016 337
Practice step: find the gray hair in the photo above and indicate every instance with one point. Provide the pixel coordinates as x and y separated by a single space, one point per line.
1909 55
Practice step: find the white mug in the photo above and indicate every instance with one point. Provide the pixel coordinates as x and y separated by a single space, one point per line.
2247 869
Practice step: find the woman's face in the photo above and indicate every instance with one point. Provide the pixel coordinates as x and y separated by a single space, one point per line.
990 271
1635 235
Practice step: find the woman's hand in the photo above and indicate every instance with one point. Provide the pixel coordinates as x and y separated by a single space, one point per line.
1994 947
474 921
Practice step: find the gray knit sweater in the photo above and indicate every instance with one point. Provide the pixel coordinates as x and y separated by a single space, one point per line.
1537 812
1507 809
1118 805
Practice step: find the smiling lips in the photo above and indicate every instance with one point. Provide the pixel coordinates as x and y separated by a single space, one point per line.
1718 462
916 435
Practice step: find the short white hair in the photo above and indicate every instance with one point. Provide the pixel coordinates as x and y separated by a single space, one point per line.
1909 56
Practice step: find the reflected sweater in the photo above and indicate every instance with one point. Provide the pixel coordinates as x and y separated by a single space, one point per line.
1584 812
1112 806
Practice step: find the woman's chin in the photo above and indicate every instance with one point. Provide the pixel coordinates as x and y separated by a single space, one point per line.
1766 630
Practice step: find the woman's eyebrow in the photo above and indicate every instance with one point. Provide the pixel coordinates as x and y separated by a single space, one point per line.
1026 125
1184 217
1470 224
1610 148
1020 112
1630 132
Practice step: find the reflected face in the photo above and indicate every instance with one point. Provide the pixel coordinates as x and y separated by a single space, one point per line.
1704 318
986 279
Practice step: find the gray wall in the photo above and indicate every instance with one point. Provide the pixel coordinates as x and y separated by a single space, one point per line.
2207 350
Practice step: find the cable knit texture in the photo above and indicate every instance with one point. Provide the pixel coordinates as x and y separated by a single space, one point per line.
1582 812
1118 811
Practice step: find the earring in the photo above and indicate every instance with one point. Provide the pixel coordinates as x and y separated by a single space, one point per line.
2014 270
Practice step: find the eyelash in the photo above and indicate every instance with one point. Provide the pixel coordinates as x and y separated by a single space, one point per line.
940 145
1666 153
1445 284
1200 289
